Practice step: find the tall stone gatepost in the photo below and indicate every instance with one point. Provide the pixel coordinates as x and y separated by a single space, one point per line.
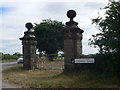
72 42
29 43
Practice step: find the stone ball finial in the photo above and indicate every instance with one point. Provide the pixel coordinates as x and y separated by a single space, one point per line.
29 25
71 14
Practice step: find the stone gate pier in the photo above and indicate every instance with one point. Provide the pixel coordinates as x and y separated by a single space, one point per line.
29 43
72 42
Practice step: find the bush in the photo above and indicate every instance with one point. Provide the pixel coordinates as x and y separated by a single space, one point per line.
8 56
105 64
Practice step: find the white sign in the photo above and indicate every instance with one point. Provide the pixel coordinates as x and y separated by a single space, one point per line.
85 60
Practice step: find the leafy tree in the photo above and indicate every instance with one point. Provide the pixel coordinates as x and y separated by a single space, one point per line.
17 54
108 39
49 36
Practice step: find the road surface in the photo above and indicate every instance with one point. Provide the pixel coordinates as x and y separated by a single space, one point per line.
5 66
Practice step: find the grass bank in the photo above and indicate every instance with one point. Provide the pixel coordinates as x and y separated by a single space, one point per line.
56 79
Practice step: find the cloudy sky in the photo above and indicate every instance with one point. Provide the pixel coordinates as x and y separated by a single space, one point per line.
15 13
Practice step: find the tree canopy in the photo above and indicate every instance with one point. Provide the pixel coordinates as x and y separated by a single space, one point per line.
49 36
109 39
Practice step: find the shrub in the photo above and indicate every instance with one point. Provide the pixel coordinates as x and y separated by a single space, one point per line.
105 64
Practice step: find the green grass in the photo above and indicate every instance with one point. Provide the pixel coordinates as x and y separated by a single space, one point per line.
57 79
9 60
58 58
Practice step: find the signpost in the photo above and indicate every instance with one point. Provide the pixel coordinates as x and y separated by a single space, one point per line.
84 60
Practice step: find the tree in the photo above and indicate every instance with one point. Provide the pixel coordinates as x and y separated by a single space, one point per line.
108 39
17 54
49 36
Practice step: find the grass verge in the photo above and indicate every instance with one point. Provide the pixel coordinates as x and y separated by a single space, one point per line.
9 60
56 79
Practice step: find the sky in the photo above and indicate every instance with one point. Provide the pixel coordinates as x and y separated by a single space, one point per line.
15 13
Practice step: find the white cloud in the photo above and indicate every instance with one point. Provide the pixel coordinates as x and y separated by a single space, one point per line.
34 11
94 5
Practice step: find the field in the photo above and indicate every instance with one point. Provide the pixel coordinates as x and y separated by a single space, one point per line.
43 78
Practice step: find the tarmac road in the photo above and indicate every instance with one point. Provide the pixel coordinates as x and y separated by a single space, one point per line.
5 66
